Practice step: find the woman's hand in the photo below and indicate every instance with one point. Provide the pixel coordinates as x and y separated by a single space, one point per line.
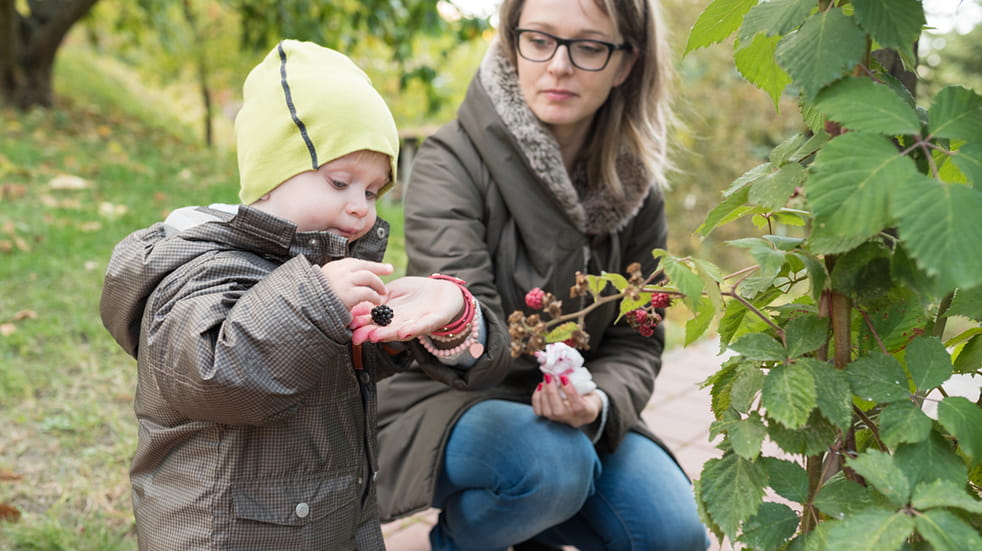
419 305
575 409
356 281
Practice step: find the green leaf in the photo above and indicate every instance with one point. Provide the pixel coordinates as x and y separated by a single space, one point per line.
711 276
773 524
562 332
928 363
733 489
805 334
772 191
969 159
903 422
939 223
817 274
729 209
871 530
813 439
863 274
789 395
862 104
832 390
716 22
852 179
777 17
684 280
878 377
619 281
957 114
932 459
787 478
963 420
946 532
721 382
758 346
894 24
747 436
696 327
944 493
968 303
879 469
597 284
628 304
747 384
827 45
755 62
841 497
969 358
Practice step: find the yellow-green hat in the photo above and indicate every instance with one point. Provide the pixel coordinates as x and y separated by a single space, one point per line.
302 106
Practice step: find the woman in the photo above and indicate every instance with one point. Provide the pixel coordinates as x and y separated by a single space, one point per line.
552 167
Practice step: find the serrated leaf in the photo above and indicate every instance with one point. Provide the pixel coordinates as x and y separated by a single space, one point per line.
895 24
851 183
596 284
748 177
968 303
733 489
772 191
628 304
894 321
932 459
703 514
969 159
716 22
827 45
729 209
789 395
928 363
969 358
813 439
787 478
957 114
737 318
783 151
805 334
946 532
684 280
832 390
862 104
619 281
773 524
879 469
939 224
871 530
817 273
841 497
746 385
747 436
863 274
756 63
816 142
878 377
944 493
903 422
696 327
721 382
758 346
963 420
711 276
777 17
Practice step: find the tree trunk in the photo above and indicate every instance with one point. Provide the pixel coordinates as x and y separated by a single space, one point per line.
29 45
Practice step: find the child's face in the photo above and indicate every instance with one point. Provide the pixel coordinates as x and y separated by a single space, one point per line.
338 197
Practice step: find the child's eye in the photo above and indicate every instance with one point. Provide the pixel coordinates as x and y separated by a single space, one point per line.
371 195
337 183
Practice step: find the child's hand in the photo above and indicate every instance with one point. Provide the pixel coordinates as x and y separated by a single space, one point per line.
419 305
356 281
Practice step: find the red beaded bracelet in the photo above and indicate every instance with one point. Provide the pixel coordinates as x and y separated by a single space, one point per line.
462 324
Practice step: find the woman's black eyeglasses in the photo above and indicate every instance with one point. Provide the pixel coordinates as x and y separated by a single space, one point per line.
586 54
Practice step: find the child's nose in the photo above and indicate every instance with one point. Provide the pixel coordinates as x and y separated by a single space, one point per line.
358 205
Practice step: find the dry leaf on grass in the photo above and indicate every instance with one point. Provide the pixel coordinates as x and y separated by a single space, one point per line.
7 329
9 512
25 315
10 476
67 181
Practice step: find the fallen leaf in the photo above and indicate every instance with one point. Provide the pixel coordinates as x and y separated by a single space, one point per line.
7 329
12 192
66 181
9 512
25 315
10 476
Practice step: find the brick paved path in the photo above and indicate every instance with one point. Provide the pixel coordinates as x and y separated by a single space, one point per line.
679 413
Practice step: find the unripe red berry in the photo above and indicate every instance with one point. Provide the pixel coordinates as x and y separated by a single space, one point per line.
640 316
661 300
534 298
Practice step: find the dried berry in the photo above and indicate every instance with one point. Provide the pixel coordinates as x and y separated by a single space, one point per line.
382 315
535 298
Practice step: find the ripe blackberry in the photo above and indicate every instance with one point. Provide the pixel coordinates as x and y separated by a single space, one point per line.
382 315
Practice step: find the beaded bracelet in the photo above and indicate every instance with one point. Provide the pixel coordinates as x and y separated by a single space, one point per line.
470 344
462 324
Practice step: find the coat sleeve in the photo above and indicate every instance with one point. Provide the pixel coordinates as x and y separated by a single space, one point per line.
626 363
448 236
230 341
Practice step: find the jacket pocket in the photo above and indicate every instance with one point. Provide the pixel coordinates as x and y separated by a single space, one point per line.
313 512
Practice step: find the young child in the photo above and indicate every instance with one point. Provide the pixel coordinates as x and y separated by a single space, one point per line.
256 412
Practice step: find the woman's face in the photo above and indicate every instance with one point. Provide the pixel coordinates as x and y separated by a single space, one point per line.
561 95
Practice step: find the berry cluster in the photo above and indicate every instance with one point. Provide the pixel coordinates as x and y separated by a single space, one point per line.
644 320
382 315
661 300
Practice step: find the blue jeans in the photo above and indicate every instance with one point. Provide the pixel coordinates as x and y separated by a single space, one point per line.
509 475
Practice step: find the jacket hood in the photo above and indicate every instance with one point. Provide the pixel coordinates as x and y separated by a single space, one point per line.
593 209
146 257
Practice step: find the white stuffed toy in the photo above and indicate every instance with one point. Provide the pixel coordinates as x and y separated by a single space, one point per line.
560 359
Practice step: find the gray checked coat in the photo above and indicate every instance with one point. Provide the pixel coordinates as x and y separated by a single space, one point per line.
256 430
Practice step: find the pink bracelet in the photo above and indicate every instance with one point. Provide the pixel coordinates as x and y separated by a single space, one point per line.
470 344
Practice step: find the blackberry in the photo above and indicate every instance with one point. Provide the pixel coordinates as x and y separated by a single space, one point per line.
382 315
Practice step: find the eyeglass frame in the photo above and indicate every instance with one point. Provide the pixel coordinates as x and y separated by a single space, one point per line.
611 48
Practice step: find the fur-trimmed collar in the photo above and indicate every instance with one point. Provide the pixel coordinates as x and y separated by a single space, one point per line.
594 209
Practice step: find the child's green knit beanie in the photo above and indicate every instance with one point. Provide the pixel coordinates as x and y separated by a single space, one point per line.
302 106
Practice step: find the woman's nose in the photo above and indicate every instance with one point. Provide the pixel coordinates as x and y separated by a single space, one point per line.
560 62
